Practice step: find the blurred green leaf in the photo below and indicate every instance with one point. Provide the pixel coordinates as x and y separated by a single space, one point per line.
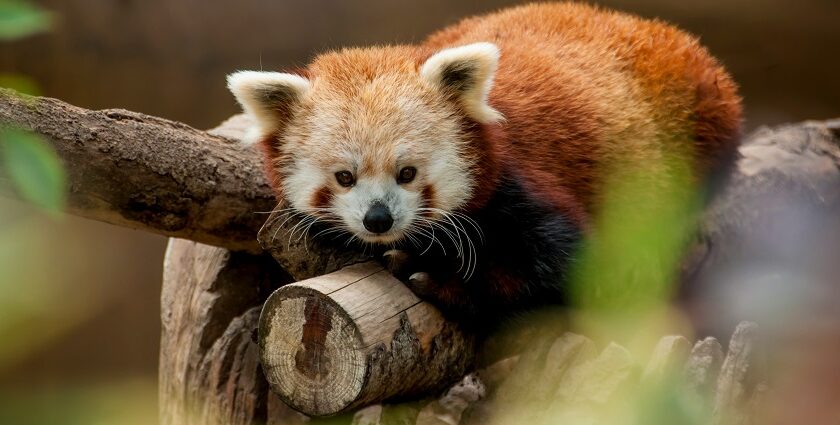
20 19
666 402
632 258
123 401
34 168
20 84
628 268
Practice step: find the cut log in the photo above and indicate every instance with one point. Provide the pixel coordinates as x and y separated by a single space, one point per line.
355 337
209 362
149 173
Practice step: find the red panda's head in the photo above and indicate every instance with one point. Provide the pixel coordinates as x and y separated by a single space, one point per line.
374 140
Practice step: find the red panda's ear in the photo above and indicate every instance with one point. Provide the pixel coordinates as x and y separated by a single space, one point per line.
269 97
466 72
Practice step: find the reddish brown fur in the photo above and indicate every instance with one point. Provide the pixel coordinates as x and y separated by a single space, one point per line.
589 97
558 134
270 153
428 196
584 91
322 198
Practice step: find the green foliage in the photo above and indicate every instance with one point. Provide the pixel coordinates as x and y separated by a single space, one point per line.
29 162
20 19
20 84
34 168
639 238
626 271
666 402
125 403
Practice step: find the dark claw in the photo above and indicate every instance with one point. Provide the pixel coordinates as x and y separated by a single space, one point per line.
404 266
421 284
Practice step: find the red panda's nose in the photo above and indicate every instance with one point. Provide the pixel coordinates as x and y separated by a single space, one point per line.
378 218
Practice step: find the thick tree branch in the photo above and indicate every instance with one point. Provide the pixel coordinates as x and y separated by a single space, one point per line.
149 173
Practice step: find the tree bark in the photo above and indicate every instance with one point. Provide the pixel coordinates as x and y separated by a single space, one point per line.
784 188
354 337
301 256
209 369
149 173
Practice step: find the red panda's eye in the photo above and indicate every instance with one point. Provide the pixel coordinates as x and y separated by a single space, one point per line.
345 178
406 175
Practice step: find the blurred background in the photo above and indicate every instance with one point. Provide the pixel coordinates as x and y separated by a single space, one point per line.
87 323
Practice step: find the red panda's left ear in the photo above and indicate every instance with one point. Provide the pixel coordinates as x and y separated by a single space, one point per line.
270 98
466 72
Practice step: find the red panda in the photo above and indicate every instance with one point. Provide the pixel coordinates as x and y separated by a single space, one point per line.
485 149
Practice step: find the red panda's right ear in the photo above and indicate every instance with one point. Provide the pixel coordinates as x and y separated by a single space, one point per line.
466 72
268 97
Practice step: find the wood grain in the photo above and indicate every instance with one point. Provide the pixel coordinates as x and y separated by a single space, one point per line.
354 337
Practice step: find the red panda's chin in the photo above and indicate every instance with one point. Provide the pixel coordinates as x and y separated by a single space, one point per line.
389 237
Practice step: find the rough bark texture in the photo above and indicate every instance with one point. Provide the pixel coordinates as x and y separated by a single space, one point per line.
597 387
354 337
737 382
149 173
785 186
209 365
302 256
703 365
450 408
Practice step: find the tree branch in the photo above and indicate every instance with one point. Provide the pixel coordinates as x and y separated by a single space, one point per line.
149 173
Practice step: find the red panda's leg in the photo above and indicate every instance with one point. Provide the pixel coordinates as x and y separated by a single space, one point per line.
400 263
447 292
433 281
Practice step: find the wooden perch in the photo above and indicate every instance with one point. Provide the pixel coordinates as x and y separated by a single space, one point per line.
210 304
788 177
355 337
567 380
301 256
149 173
164 177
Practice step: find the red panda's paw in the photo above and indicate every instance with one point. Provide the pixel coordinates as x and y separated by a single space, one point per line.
419 274
400 263
432 279
446 293
422 284
404 267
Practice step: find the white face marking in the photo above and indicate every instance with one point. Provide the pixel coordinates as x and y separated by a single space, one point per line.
374 135
303 181
355 203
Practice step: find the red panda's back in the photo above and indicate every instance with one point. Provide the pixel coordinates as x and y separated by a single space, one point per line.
585 90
